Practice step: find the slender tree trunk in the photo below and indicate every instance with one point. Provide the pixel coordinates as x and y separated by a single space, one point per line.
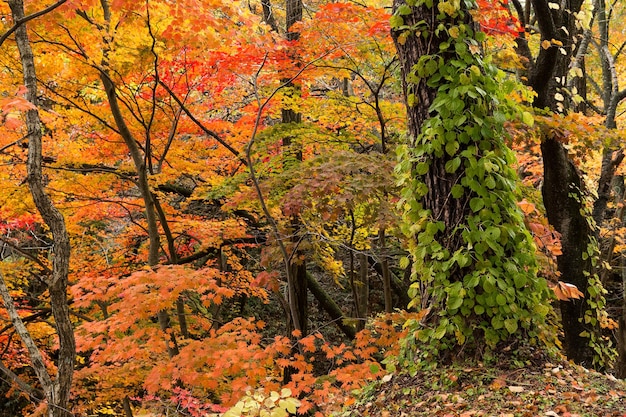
329 306
363 291
386 273
293 151
140 160
57 390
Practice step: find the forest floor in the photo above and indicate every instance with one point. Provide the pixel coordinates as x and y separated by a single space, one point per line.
551 388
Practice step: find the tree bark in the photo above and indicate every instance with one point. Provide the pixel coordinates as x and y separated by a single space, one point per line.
297 263
473 258
439 183
562 190
562 198
363 292
57 390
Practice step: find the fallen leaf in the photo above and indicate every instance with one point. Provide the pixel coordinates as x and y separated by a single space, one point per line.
497 384
514 388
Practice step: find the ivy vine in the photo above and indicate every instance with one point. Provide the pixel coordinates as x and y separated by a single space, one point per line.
485 290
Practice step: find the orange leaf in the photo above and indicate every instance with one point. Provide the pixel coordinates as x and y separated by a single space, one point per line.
565 291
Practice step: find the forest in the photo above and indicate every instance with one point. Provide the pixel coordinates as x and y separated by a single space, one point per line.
267 208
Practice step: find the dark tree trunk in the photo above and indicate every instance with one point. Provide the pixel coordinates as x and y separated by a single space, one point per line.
563 193
438 181
562 200
293 152
473 257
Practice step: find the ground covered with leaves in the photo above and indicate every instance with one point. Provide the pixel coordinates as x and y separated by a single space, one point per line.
545 388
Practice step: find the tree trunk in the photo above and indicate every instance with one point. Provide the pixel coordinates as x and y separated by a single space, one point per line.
363 292
398 285
57 391
439 183
329 306
386 272
471 253
562 199
293 152
562 190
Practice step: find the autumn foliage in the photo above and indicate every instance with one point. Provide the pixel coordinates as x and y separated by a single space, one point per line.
155 115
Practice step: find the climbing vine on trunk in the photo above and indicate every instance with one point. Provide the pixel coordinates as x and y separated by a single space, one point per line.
473 260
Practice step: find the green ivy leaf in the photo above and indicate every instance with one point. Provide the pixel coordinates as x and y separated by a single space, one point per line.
404 10
476 204
510 325
457 191
396 21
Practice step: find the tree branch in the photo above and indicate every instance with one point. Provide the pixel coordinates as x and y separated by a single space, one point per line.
20 22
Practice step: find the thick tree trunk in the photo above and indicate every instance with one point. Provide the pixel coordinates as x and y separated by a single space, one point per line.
473 258
563 193
563 202
439 182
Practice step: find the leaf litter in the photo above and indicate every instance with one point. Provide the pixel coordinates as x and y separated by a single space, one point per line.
539 388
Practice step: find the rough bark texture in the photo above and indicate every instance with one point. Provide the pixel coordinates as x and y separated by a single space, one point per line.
439 183
562 187
561 190
57 390
409 53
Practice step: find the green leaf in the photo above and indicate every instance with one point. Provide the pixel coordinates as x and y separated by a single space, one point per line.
520 280
476 204
528 118
453 164
510 325
421 168
404 10
452 147
471 281
457 191
396 21
490 182
500 299
454 302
